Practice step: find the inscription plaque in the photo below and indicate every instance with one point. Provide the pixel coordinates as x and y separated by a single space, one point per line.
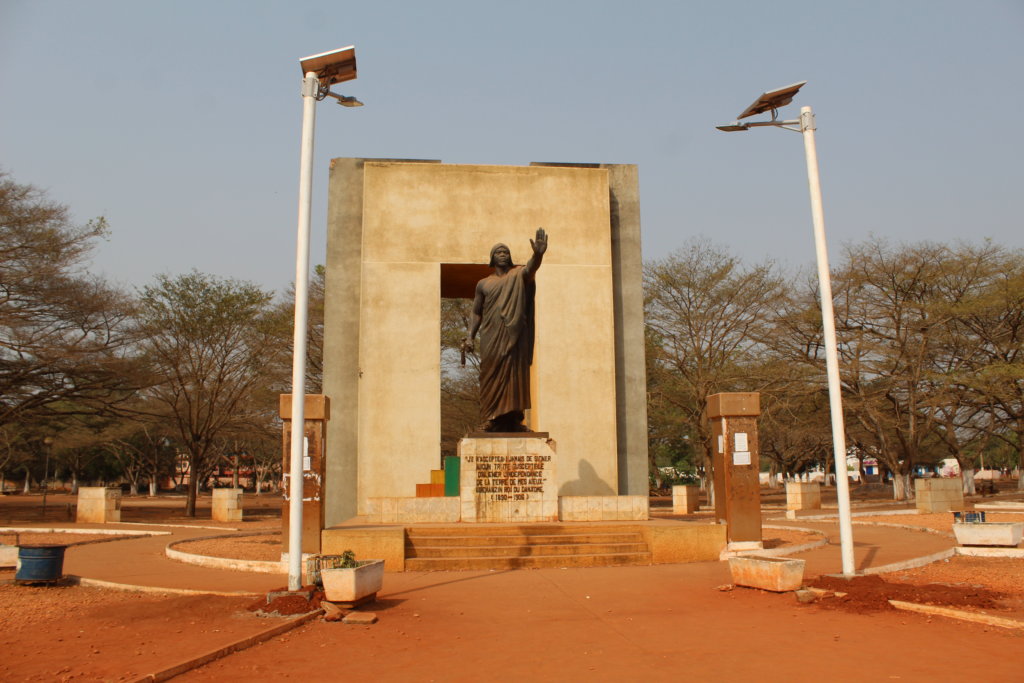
508 480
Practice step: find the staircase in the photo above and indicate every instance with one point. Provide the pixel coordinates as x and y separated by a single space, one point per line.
464 547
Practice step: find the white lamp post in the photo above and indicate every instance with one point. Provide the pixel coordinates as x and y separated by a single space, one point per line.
771 101
320 72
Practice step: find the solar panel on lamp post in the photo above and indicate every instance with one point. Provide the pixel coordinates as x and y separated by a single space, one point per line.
770 102
320 72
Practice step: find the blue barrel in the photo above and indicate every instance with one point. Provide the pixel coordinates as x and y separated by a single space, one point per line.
40 563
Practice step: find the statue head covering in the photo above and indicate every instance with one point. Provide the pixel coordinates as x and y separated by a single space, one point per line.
495 248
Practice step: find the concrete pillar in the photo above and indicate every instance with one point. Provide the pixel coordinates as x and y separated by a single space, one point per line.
227 505
317 413
98 505
736 467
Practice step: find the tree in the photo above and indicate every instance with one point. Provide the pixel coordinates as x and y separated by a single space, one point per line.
990 317
706 314
925 327
794 430
64 335
460 387
209 344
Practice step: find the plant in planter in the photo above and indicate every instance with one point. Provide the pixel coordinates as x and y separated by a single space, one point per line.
348 580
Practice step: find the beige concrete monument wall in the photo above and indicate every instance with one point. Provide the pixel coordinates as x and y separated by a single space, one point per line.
391 226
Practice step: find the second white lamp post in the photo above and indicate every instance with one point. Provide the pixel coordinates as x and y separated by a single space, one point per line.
771 101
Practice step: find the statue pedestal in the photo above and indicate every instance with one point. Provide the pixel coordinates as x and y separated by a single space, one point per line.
508 478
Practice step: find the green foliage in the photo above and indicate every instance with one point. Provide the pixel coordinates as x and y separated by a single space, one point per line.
210 346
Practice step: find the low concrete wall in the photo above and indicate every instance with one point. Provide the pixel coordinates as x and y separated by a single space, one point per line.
368 543
685 542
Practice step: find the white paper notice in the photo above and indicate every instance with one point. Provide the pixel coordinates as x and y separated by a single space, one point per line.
741 458
720 444
740 439
306 464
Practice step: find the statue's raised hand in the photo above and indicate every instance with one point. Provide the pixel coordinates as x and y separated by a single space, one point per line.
540 243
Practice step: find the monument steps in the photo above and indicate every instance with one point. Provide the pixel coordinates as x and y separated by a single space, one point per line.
528 562
518 539
468 547
525 550
531 529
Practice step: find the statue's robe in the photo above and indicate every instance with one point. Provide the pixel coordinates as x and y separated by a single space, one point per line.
506 342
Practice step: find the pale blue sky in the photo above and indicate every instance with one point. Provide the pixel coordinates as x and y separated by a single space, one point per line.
179 121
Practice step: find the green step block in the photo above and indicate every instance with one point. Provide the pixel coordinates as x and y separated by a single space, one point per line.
452 466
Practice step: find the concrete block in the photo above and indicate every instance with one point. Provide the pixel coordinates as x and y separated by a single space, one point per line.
227 505
685 499
939 495
778 574
803 495
98 505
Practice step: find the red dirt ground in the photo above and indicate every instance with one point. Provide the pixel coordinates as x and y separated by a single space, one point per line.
664 622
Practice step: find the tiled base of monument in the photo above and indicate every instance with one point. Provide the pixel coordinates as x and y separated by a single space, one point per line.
603 508
508 479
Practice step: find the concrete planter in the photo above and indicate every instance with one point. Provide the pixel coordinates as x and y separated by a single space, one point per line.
353 584
989 533
778 574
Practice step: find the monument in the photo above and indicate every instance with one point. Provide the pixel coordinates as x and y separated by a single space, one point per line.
562 351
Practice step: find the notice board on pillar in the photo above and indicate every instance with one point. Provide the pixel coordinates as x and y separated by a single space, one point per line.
736 466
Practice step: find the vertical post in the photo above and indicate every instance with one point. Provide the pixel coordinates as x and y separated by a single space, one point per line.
737 470
310 84
828 321
317 411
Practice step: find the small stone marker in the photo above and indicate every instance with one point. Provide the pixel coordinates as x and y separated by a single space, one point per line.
227 505
360 618
98 505
331 611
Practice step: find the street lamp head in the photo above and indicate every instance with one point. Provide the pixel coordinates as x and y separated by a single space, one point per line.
336 66
733 127
772 100
349 101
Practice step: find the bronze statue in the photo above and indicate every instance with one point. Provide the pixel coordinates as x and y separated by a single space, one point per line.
503 312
